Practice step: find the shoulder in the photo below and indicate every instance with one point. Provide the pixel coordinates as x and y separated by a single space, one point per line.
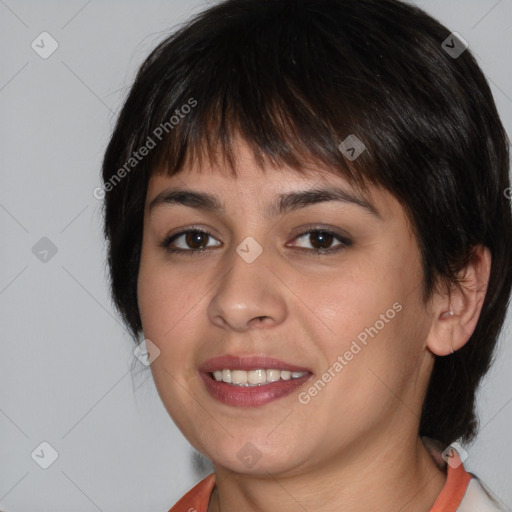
197 499
478 499
463 491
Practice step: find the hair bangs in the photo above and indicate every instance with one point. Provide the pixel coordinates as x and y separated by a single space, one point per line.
263 99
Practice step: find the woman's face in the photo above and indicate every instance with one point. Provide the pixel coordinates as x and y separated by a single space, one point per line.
353 319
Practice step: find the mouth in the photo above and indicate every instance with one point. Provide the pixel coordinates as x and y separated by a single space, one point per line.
259 377
251 381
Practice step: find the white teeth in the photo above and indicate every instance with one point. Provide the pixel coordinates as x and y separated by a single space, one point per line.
239 377
273 375
254 377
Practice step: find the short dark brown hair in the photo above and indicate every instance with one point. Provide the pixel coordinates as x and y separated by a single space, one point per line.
294 78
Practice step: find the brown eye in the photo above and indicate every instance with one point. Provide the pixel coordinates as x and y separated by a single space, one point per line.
190 241
195 239
321 240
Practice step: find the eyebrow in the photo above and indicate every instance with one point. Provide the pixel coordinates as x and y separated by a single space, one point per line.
283 204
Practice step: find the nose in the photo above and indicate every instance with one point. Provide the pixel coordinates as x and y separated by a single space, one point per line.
248 295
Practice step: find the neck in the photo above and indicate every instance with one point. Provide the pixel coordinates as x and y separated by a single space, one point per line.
388 481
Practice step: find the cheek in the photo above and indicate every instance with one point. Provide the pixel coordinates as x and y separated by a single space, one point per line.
166 308
172 307
349 303
164 297
367 323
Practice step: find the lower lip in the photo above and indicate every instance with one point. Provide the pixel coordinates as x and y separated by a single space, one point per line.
249 396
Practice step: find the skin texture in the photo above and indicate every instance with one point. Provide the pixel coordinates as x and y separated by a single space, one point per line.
358 433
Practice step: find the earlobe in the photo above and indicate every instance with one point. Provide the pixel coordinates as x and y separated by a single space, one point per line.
446 315
456 313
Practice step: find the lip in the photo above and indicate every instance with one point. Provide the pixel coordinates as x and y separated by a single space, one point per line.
248 363
241 396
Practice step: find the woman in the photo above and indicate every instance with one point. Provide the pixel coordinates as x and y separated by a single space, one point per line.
307 223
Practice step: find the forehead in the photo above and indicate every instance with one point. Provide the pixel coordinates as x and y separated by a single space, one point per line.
262 186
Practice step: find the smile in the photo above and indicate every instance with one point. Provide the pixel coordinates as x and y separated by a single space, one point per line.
254 377
248 381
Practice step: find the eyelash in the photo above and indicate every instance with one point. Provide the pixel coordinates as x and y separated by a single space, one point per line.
165 243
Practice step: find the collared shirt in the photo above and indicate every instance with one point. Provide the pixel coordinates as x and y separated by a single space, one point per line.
462 492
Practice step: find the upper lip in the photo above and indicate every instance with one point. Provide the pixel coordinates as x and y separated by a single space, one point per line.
248 363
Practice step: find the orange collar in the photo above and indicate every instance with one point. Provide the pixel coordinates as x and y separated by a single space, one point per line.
197 499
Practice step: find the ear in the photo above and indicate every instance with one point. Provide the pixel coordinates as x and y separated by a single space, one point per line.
452 328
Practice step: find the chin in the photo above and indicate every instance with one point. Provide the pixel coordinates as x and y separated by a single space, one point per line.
252 458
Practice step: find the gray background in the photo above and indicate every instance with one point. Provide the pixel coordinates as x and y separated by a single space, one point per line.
66 358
